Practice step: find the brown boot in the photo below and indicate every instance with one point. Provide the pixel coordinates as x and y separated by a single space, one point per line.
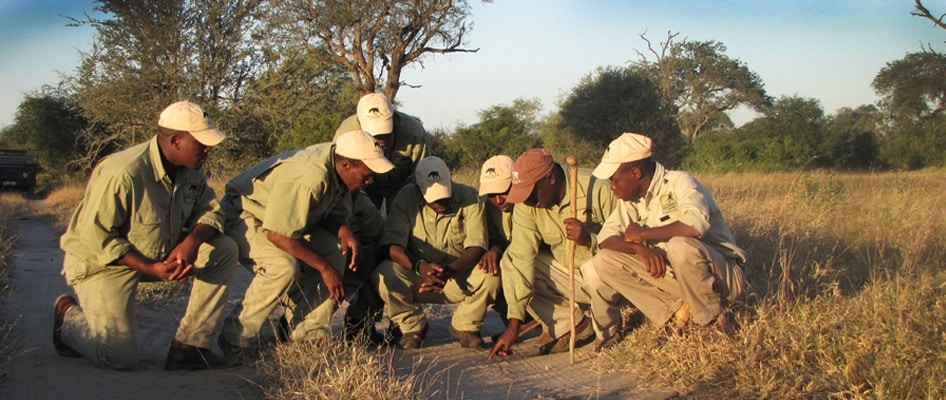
186 357
583 335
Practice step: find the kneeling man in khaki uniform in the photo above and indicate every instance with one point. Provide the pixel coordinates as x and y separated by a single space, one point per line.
436 235
666 247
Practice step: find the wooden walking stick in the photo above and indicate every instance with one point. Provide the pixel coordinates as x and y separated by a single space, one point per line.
573 186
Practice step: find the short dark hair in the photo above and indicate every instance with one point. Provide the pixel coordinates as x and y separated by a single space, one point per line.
646 165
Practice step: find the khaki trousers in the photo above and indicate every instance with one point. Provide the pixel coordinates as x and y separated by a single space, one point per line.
696 273
475 290
550 299
279 278
104 328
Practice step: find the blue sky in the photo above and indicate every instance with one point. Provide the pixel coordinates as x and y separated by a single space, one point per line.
829 50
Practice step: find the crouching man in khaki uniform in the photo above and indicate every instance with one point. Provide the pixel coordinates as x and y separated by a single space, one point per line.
289 216
147 215
436 235
667 247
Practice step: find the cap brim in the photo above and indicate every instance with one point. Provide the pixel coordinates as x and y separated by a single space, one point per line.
519 193
378 165
436 192
209 137
605 170
375 128
500 186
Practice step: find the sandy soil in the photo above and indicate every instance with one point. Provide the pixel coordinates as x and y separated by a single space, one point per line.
450 371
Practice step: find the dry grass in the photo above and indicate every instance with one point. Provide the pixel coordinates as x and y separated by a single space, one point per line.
11 205
847 296
334 371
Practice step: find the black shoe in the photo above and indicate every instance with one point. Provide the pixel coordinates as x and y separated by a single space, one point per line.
62 304
413 340
235 355
186 357
283 333
362 332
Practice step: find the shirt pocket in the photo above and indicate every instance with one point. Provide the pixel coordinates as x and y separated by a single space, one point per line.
147 234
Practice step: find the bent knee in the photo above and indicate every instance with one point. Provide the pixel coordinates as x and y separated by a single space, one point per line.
682 251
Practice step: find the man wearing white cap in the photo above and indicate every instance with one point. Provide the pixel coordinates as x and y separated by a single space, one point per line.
403 138
289 216
435 235
667 247
147 215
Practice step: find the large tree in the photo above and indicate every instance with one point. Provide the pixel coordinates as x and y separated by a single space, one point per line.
700 83
150 53
913 87
502 129
375 39
607 103
48 123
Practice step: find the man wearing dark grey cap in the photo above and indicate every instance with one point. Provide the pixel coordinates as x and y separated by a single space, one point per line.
544 219
667 247
147 215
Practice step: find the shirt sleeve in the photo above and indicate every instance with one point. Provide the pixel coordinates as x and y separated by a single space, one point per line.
207 211
105 216
288 212
397 226
518 262
476 233
693 203
615 224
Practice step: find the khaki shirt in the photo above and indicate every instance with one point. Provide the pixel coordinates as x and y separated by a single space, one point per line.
411 144
439 238
131 202
533 227
291 192
498 224
366 221
676 196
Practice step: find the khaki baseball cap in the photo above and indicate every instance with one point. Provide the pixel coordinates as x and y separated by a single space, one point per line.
496 175
626 148
359 145
433 178
375 114
530 167
189 117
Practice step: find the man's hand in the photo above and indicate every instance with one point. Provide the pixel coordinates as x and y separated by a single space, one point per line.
503 345
171 270
489 263
333 282
654 261
349 244
432 277
574 230
633 233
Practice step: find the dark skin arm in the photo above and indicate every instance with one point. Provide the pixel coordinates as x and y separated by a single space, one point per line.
503 345
330 277
347 240
633 243
178 264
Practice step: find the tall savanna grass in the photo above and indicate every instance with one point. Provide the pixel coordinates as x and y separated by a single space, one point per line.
847 298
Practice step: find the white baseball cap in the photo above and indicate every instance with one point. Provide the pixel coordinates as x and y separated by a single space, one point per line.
433 178
359 145
496 175
375 114
626 148
189 117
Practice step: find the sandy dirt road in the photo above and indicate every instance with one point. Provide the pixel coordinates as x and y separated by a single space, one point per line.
449 371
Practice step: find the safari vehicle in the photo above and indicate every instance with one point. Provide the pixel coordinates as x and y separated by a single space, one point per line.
18 170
